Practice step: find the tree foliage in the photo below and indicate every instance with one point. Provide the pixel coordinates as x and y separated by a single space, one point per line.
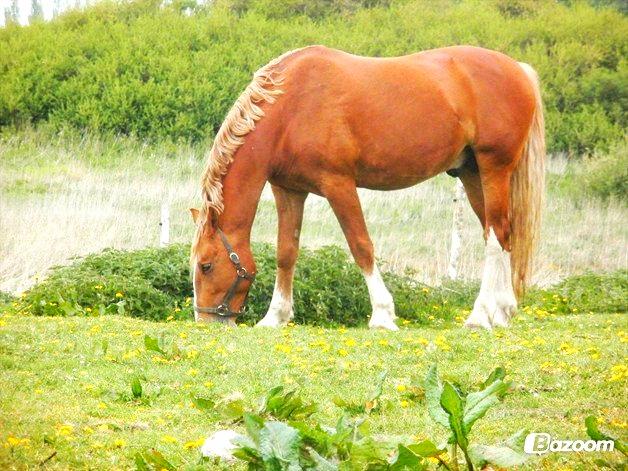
155 71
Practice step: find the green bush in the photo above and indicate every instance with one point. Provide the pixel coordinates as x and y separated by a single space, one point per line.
603 175
150 283
591 292
148 70
154 283
6 298
606 176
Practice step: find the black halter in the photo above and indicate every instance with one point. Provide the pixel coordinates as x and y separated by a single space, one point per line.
223 309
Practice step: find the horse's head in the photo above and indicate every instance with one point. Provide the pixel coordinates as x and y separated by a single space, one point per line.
222 274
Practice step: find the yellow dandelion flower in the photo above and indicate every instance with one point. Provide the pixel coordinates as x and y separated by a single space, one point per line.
194 443
169 439
118 443
119 295
65 429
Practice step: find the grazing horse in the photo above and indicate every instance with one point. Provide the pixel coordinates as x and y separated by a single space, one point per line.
318 120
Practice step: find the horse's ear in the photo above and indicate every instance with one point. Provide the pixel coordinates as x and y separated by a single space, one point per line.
194 212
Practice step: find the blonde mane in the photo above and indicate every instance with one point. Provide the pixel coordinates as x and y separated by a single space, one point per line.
239 122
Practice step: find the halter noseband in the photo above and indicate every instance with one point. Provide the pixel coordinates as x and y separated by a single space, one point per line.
223 309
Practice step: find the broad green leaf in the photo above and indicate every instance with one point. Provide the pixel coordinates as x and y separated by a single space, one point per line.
136 388
157 460
284 405
479 402
320 463
366 453
247 450
379 386
453 404
505 455
497 373
140 462
152 344
594 432
230 408
426 448
315 437
253 424
202 403
279 446
517 440
406 460
501 456
433 391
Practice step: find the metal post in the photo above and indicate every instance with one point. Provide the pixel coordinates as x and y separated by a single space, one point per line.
456 232
164 225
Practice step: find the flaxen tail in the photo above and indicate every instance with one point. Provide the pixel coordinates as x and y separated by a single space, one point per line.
526 194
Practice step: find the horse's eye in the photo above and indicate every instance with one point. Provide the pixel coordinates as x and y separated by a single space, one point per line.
205 267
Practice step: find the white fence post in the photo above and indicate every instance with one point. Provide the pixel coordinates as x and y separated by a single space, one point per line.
456 232
164 225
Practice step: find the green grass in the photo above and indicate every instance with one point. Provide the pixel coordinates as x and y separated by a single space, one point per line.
66 381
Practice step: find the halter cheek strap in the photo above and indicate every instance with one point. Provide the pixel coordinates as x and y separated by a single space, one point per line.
223 310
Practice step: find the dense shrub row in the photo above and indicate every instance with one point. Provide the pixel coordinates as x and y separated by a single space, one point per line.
144 69
155 284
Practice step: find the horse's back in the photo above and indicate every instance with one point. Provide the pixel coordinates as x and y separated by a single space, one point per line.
395 121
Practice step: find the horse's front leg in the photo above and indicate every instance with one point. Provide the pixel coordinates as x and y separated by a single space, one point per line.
343 198
290 215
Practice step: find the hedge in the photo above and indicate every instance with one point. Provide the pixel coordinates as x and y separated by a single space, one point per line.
155 284
154 71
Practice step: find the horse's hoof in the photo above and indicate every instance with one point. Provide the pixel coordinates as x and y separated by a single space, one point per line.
269 323
387 325
501 318
478 320
272 319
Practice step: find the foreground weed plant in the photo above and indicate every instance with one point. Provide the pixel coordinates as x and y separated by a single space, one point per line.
281 435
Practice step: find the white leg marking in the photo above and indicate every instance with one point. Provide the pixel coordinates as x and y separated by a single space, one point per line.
382 302
496 302
280 310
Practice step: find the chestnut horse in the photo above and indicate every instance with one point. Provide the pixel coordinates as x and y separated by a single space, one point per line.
318 120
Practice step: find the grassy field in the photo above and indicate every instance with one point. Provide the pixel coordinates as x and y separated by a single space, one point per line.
66 382
61 197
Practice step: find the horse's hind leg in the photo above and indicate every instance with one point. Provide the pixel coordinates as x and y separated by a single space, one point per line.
496 302
343 198
290 214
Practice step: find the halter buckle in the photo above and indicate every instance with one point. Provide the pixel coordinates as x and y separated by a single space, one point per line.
234 258
223 310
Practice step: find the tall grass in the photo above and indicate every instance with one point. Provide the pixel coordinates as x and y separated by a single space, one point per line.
61 197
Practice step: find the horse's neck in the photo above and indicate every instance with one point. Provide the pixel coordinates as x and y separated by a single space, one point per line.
242 187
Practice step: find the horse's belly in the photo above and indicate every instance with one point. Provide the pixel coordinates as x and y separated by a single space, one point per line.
396 172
